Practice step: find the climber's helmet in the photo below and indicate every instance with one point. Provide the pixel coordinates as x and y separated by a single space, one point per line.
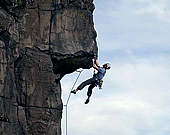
106 66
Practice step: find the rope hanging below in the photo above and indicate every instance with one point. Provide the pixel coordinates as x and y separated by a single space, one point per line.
70 95
73 87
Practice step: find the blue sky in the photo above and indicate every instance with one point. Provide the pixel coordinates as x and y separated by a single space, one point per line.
133 35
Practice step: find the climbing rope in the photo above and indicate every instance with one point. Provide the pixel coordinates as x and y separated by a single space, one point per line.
70 95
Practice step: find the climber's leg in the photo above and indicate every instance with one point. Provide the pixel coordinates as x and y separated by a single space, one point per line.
83 84
89 92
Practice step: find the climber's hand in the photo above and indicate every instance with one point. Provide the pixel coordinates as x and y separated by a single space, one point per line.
95 58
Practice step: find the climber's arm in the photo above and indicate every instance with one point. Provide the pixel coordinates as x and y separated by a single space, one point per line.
97 63
94 65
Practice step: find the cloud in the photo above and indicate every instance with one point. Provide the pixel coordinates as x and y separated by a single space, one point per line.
158 8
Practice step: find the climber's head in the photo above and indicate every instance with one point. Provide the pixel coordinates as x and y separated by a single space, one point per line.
106 66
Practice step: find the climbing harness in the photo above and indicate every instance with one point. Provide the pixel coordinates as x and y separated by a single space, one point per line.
70 95
100 83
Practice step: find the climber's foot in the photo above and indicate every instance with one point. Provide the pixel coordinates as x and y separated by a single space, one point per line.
87 101
73 91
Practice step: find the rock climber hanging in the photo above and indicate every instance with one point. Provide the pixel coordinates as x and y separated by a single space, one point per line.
95 80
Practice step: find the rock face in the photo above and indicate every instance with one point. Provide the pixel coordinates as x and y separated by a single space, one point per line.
40 42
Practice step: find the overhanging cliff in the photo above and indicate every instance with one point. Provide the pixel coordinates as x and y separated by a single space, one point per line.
40 42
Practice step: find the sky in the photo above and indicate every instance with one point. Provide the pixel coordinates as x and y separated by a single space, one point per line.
133 35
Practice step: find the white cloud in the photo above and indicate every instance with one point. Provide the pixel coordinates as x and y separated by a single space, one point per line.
133 25
157 8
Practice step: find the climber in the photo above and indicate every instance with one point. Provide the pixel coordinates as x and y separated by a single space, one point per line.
94 80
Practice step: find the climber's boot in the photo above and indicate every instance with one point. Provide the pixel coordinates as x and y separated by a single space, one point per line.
87 101
73 91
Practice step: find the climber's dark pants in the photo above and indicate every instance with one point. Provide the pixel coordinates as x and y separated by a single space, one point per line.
90 82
